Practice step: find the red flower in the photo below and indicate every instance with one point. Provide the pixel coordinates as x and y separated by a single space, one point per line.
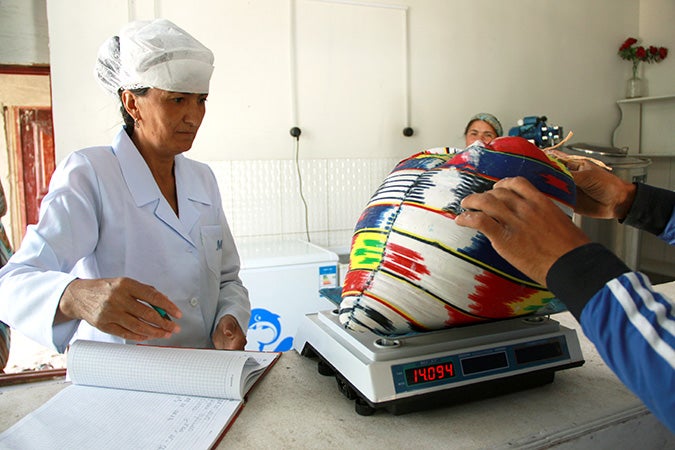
640 53
627 43
636 55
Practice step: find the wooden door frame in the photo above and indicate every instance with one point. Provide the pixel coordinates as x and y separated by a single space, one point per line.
14 193
31 162
13 69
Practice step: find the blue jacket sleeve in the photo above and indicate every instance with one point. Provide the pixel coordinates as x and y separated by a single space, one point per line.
633 329
653 210
631 325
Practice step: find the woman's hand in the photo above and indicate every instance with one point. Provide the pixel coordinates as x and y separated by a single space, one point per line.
115 306
525 227
228 335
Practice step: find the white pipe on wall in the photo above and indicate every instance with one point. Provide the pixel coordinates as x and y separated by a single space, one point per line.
292 63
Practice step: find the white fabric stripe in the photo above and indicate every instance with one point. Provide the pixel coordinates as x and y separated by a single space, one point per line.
657 308
639 321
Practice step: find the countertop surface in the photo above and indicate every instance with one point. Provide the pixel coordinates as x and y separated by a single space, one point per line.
296 407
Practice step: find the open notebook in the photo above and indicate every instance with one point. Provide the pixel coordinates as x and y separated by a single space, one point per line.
134 396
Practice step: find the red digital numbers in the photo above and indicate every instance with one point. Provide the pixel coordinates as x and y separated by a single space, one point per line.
430 373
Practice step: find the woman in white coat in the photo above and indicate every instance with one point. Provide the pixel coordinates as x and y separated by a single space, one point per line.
132 244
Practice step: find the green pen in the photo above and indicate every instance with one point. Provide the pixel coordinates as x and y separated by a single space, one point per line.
163 314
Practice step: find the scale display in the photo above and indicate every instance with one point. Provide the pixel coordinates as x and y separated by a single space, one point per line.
429 373
454 368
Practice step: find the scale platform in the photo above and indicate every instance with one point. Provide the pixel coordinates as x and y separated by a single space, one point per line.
438 368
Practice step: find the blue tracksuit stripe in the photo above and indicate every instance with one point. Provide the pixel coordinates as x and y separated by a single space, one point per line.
651 316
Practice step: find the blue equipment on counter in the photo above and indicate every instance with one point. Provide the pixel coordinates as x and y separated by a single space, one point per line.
535 130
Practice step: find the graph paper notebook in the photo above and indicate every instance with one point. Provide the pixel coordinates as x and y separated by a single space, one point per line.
142 397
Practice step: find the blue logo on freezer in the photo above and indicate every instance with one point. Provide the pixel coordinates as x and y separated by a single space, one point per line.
265 329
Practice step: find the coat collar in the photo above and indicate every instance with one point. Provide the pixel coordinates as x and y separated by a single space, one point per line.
144 189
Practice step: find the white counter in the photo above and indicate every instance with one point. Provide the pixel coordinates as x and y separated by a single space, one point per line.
296 407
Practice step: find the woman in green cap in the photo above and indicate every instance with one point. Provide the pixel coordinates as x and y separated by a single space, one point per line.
482 127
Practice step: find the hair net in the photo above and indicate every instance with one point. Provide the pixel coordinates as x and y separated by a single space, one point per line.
492 120
155 54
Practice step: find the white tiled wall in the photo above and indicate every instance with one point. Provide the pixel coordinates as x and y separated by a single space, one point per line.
262 198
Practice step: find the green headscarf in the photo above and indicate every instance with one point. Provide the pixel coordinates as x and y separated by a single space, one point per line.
489 118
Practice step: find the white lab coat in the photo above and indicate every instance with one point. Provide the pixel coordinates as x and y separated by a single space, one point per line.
104 217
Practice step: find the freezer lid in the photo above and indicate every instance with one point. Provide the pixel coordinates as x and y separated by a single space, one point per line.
264 252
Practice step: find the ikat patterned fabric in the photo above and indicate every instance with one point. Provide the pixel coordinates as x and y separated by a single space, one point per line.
412 269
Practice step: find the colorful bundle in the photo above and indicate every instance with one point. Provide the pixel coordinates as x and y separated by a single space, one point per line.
413 269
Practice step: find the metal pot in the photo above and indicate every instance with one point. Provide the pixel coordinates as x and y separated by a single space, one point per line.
623 240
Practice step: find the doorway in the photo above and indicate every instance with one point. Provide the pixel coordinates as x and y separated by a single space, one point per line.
27 161
31 162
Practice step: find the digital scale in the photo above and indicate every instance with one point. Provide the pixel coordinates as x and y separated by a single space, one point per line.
425 370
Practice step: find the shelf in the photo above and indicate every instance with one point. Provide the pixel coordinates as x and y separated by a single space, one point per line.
629 131
647 99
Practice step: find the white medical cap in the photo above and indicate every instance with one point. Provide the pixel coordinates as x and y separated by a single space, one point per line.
156 54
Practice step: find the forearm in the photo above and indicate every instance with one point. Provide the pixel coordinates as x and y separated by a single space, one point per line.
652 209
577 275
29 303
629 324
624 318
232 296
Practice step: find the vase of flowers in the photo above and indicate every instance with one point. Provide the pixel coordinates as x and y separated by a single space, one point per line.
635 87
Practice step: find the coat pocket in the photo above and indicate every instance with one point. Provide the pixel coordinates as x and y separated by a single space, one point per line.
212 241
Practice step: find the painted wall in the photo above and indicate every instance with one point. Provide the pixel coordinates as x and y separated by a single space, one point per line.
352 75
24 38
341 68
656 28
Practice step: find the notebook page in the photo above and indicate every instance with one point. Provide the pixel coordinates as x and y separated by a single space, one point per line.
206 373
100 418
255 366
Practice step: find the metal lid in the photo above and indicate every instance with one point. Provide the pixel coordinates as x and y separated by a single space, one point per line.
598 150
612 156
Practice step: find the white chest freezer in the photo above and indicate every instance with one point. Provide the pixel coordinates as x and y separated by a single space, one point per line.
283 278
